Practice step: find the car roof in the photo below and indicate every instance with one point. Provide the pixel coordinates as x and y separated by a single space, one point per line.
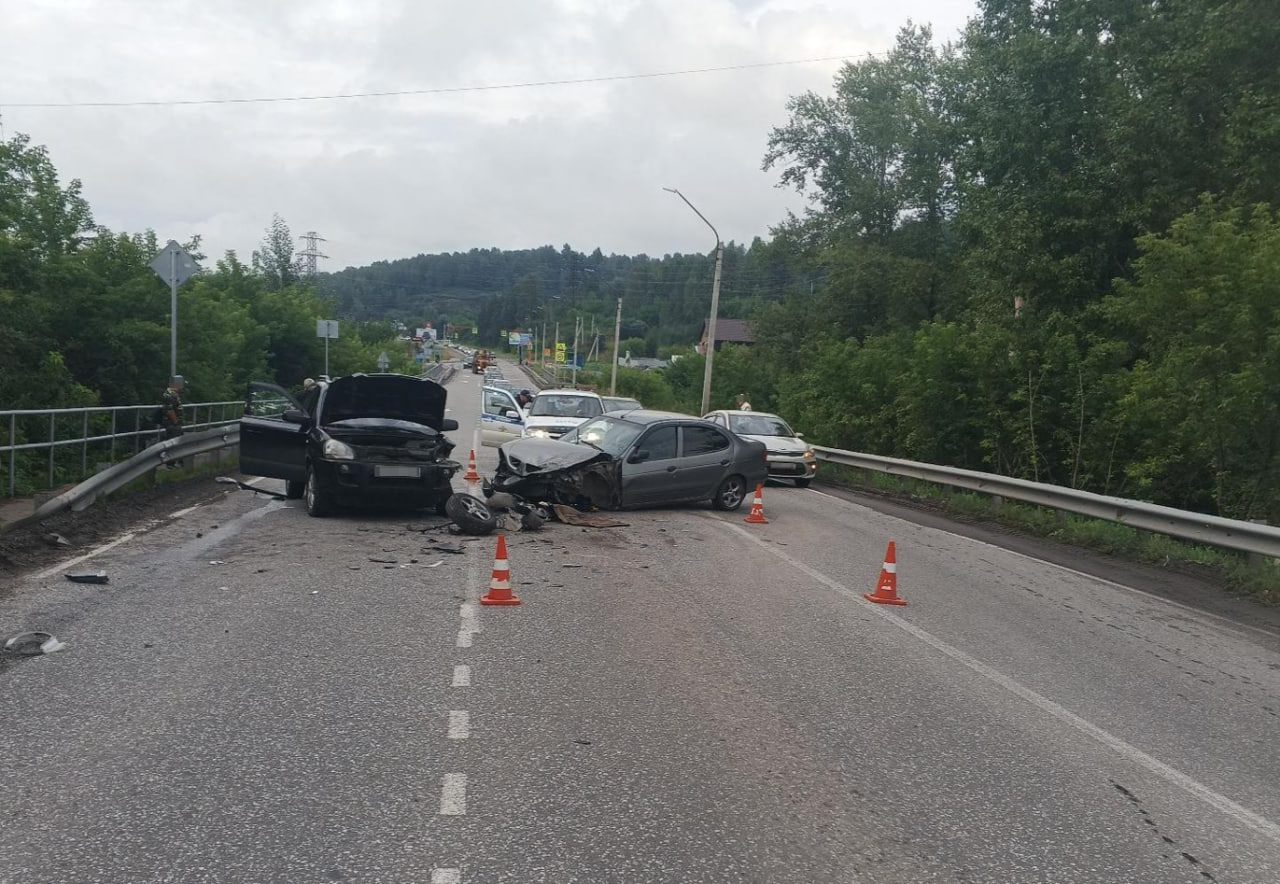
568 393
647 416
736 413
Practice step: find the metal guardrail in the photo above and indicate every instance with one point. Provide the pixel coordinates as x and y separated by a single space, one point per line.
116 477
110 424
1198 527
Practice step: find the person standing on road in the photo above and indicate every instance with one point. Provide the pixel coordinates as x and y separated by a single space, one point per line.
743 404
171 407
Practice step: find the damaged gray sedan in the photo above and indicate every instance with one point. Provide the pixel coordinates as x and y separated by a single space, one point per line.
636 459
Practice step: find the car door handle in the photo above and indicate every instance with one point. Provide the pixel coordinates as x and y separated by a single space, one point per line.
671 469
724 463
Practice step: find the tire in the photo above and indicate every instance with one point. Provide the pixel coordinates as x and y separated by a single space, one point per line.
731 493
470 514
804 483
294 490
318 498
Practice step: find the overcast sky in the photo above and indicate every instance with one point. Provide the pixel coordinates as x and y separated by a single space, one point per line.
384 178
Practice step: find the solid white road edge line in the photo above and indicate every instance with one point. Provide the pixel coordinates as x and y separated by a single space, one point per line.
459 724
49 572
180 513
453 794
461 676
1013 552
1219 802
446 876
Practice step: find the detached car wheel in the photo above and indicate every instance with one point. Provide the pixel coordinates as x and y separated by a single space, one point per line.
318 498
470 514
731 493
294 490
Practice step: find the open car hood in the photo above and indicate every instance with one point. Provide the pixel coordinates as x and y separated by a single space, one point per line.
532 456
394 397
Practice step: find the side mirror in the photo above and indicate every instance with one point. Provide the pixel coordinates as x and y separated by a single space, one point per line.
448 425
294 416
640 455
799 435
511 412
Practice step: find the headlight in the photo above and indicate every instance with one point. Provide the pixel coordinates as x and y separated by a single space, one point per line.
541 434
335 450
809 455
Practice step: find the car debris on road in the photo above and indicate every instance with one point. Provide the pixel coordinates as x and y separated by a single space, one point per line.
228 480
88 577
33 644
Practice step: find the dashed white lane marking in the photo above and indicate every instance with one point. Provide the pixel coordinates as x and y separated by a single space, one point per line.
446 876
464 638
180 513
453 794
459 724
462 676
49 572
1172 775
1142 592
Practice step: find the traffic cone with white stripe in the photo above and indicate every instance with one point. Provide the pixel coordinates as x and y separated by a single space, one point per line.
887 584
500 585
756 517
472 475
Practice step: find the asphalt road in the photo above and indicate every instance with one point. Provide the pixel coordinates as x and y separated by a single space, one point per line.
688 699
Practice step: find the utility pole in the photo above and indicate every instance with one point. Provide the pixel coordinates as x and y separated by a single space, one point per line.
617 335
576 323
173 317
311 253
715 303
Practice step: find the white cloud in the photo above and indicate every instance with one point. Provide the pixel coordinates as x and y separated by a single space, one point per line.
389 177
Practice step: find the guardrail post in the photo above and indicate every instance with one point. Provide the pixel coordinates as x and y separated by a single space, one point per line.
52 433
113 435
13 455
84 446
1257 560
136 429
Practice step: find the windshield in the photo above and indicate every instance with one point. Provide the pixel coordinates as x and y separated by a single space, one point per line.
565 405
615 403
606 433
759 425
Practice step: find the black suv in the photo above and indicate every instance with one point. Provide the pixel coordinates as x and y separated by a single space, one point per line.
358 439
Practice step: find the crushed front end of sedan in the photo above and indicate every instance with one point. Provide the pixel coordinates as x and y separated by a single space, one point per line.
551 471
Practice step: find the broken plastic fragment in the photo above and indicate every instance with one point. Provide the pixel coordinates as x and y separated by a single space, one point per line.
88 577
33 644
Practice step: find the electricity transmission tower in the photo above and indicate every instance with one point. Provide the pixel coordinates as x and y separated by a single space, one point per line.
311 253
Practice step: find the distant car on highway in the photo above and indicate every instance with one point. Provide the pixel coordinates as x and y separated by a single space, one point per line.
620 403
790 457
357 439
634 459
556 412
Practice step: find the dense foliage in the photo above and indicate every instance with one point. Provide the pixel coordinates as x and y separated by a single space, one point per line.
84 320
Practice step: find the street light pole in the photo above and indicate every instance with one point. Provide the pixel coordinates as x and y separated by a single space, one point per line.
715 303
617 333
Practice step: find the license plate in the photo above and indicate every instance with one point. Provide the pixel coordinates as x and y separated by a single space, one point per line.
391 472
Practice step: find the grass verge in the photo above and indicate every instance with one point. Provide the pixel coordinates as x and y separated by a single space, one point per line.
1257 580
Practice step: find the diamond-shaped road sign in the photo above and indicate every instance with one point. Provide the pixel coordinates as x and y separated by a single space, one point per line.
173 264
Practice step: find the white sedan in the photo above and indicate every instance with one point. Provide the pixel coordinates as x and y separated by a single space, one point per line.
789 456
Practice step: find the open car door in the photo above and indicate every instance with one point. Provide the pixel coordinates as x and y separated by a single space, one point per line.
501 419
273 434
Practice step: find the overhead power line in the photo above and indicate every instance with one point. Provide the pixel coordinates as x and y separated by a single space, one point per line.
440 90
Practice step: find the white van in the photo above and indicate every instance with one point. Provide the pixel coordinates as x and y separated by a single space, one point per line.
556 412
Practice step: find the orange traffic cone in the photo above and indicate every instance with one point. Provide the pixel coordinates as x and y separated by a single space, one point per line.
472 475
500 586
757 509
887 585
